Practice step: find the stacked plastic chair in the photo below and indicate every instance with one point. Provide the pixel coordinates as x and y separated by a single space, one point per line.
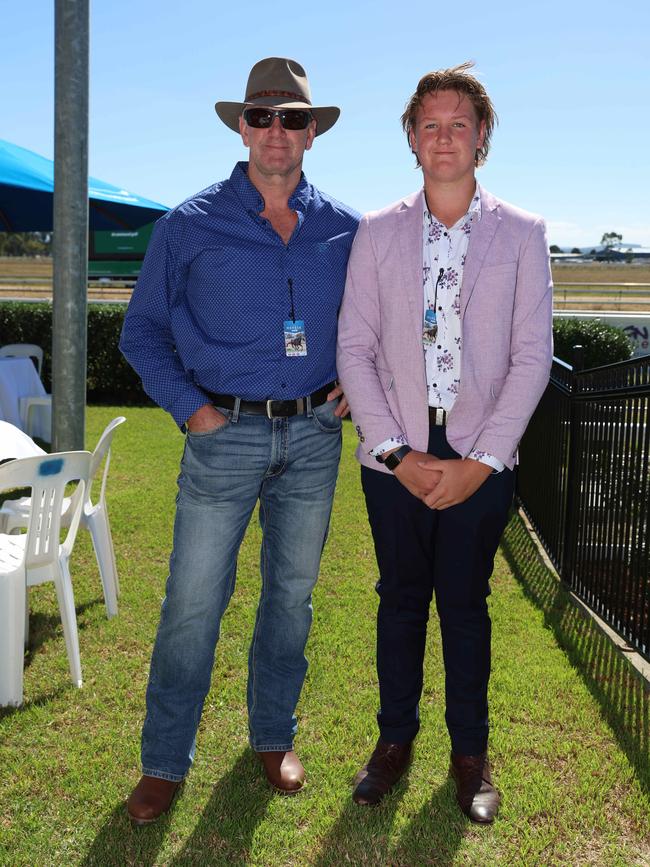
14 514
30 403
32 558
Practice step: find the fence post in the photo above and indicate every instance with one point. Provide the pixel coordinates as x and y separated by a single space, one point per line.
578 357
573 474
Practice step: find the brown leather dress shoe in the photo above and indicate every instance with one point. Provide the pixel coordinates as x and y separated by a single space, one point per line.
283 770
475 792
384 768
150 799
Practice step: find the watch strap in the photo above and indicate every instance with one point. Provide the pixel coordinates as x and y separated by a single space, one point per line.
394 459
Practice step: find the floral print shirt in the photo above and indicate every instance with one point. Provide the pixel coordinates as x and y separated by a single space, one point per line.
443 261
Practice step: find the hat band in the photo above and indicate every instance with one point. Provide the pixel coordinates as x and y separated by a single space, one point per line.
288 93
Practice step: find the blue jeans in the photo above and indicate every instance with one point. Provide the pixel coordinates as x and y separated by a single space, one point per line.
290 466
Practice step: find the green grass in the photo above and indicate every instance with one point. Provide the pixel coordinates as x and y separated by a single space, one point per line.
569 720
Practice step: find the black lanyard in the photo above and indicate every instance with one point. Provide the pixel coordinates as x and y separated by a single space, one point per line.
441 273
293 312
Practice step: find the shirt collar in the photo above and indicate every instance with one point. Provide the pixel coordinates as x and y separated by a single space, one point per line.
472 215
474 209
251 198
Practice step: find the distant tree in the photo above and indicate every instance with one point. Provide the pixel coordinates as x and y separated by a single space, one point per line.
576 250
555 249
609 240
629 255
25 243
593 251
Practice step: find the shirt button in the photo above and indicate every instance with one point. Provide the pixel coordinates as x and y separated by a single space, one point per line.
439 347
439 308
435 385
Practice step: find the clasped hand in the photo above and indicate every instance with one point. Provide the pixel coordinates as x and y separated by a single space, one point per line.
441 484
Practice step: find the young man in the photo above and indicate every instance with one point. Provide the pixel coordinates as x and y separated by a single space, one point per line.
444 350
232 328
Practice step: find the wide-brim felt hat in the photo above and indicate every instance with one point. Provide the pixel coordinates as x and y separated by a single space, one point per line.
278 82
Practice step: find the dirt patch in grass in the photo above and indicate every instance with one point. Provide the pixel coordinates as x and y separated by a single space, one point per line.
601 272
17 266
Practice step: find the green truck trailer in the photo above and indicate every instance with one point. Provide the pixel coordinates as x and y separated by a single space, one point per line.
117 254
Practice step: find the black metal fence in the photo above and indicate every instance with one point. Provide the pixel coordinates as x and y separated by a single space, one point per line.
584 483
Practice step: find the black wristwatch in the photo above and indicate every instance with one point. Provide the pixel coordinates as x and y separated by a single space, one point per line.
394 459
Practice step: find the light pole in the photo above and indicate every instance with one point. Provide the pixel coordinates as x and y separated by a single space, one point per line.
70 241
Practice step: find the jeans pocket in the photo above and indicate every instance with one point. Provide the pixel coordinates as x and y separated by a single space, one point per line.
213 431
324 417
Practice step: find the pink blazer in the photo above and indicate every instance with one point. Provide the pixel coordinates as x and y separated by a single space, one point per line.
506 316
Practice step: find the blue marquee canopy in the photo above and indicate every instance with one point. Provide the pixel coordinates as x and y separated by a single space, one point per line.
26 196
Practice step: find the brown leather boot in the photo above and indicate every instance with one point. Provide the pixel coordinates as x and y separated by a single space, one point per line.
475 792
283 770
150 799
384 768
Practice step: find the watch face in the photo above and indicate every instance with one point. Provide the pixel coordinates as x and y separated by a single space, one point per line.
392 461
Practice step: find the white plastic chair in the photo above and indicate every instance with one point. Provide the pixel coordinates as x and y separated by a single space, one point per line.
14 514
24 350
30 403
37 556
27 415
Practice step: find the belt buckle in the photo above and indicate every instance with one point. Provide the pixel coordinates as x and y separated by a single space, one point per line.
440 416
299 402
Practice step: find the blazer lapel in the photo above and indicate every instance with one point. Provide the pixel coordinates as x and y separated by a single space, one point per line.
479 244
410 241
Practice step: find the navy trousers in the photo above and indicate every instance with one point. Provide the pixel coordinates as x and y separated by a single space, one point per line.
450 553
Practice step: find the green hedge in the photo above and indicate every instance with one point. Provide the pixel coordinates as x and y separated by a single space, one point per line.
602 343
109 377
111 380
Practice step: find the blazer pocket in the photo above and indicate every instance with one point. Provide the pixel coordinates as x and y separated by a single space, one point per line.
502 278
497 267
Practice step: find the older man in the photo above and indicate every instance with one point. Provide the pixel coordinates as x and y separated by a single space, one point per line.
444 352
232 328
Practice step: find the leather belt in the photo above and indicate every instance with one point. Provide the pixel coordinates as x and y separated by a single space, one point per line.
437 416
272 408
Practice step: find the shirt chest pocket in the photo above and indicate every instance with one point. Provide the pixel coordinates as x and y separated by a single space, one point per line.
325 263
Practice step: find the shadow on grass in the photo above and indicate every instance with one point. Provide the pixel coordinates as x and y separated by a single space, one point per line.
623 696
360 835
119 843
435 834
45 627
41 700
224 832
42 629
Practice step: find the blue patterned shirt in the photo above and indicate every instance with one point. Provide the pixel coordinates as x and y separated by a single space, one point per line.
216 287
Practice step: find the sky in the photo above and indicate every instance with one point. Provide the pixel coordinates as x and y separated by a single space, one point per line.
570 82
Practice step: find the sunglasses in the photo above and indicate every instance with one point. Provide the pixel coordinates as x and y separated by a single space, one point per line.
290 118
